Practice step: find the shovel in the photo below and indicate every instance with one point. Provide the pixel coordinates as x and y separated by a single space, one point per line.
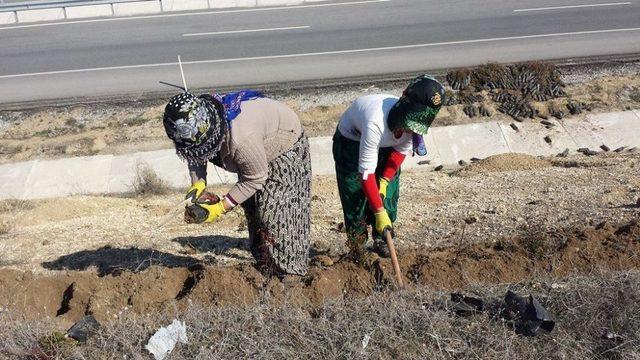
394 258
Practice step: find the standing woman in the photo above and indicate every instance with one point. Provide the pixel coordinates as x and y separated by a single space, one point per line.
373 137
262 141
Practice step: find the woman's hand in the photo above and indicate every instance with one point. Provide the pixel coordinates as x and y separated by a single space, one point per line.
195 191
382 221
208 208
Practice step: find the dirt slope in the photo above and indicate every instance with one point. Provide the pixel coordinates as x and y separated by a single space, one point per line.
501 222
69 295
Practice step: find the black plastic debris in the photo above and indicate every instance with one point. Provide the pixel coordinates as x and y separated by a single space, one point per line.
587 151
485 111
527 314
547 123
575 107
466 305
565 153
83 329
471 111
438 168
514 127
604 147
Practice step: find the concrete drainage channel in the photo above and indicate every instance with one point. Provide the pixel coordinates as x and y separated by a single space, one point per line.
64 10
449 146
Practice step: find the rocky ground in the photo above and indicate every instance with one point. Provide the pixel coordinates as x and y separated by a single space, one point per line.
500 197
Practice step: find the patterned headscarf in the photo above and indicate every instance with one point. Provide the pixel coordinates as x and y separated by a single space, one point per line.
195 125
418 106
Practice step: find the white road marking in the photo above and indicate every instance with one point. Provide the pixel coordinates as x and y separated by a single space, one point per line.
353 51
248 31
196 14
573 6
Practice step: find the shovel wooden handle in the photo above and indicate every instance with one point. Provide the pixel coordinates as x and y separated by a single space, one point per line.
394 259
173 212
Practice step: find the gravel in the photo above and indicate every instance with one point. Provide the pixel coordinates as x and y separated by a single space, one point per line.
584 73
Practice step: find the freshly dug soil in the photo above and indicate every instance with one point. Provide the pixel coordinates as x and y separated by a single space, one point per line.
503 162
69 295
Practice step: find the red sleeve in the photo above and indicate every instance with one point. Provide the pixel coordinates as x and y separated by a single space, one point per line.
393 164
370 188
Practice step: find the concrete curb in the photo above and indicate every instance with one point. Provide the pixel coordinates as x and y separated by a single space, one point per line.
79 12
447 146
134 8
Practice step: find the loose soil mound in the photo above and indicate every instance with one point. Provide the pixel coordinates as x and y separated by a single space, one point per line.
503 162
67 296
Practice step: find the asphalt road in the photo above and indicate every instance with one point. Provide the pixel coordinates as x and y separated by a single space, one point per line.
319 41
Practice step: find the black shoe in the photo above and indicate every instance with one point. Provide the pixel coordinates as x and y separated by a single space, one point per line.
380 247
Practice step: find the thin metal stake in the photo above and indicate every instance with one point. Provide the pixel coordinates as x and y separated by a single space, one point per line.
184 82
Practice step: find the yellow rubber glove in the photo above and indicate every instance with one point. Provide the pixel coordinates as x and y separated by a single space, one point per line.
383 187
382 221
201 212
196 190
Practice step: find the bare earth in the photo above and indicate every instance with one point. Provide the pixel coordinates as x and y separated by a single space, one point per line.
510 216
500 197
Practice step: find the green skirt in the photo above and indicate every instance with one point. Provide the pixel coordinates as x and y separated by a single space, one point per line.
355 208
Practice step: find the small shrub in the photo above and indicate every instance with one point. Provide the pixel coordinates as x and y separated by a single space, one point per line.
54 345
536 244
5 226
136 121
147 182
635 94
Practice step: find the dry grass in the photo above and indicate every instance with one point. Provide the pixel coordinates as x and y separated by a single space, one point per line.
6 225
147 182
9 210
11 206
597 317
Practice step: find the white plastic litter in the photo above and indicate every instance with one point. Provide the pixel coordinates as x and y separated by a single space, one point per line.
365 341
165 339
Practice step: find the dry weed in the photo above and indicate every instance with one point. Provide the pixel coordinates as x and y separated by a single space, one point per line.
147 182
597 316
12 206
6 225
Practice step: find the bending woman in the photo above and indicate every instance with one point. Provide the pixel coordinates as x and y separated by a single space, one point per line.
263 142
373 138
